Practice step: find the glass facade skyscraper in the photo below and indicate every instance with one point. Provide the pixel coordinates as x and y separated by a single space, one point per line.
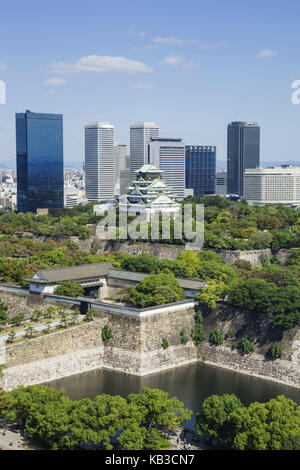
40 173
243 151
200 169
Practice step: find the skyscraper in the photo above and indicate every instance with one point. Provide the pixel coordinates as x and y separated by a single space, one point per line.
243 146
140 134
168 154
40 173
99 161
200 169
121 161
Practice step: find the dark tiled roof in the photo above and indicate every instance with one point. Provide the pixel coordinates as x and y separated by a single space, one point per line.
83 271
136 276
105 269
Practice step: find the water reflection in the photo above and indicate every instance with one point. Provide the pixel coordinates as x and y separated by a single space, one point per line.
191 384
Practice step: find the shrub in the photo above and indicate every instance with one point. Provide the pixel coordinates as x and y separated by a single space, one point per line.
17 319
165 343
3 311
106 333
184 338
230 333
37 314
90 314
11 336
216 337
197 333
276 351
246 345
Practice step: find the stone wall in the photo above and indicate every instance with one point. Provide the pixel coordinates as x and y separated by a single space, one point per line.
255 257
136 347
282 371
155 249
22 304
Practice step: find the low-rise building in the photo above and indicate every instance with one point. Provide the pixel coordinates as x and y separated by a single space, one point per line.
99 280
274 185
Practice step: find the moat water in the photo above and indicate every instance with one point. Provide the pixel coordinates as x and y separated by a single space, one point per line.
191 384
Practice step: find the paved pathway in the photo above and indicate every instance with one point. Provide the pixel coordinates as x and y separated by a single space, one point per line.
13 438
38 327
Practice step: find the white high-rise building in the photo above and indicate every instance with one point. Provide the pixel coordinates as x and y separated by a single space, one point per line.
140 134
99 161
168 154
276 185
70 197
121 155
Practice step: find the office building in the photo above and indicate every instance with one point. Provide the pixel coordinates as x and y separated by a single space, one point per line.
121 164
140 134
243 147
200 169
40 178
70 197
99 161
168 154
221 182
275 185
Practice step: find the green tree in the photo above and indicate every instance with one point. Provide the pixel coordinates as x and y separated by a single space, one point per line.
159 410
276 351
11 336
17 319
184 338
246 345
165 343
37 314
3 311
214 419
90 314
156 289
197 332
106 333
267 426
30 331
216 337
211 293
69 288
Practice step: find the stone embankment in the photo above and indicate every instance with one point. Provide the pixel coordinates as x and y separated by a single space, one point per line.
136 347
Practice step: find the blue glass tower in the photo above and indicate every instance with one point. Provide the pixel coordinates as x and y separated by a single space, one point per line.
200 169
40 174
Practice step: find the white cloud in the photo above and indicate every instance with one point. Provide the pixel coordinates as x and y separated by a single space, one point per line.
182 42
172 40
94 63
54 82
211 45
175 60
3 66
135 33
144 86
265 53
50 92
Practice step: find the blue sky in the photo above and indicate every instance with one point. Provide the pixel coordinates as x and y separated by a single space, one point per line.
192 67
